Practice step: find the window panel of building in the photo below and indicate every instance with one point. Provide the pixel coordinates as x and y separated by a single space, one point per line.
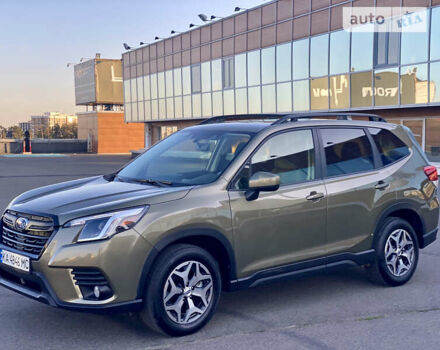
161 84
435 34
153 86
362 44
197 105
147 110
162 109
434 85
300 59
228 73
228 102
289 155
135 111
170 108
127 91
253 62
268 98
414 84
216 69
386 87
141 111
240 70
133 86
386 48
127 111
319 55
414 45
347 151
339 91
206 104
186 80
284 62
284 97
169 83
217 103
206 76
432 139
178 110
140 88
361 88
319 93
339 52
254 100
177 81
187 110
268 65
154 110
241 101
196 79
301 95
147 95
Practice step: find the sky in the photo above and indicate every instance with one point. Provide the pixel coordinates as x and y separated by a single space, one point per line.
39 37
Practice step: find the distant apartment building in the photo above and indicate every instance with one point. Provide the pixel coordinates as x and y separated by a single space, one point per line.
25 126
49 120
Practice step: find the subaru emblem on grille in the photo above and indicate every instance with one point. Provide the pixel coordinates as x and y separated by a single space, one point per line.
21 223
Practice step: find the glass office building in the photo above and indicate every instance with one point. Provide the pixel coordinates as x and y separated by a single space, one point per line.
289 56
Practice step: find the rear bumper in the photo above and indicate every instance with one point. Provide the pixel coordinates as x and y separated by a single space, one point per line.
35 286
428 238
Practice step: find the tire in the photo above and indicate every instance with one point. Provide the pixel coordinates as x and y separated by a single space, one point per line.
397 253
183 290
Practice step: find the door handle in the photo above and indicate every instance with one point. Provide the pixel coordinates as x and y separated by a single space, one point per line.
313 196
382 185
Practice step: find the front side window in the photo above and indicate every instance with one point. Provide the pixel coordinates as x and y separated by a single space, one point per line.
347 151
289 155
390 147
188 157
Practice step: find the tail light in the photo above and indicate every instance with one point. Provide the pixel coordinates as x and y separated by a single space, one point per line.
431 172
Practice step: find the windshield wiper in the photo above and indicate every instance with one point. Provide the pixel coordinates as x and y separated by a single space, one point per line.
161 183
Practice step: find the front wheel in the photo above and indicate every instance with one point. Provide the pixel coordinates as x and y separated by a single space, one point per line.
183 291
397 252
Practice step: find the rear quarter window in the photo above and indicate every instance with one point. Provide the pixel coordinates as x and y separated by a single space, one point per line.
390 147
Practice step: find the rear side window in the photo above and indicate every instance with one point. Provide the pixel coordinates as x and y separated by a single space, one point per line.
390 147
347 151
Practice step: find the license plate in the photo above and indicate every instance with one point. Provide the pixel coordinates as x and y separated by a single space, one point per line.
18 261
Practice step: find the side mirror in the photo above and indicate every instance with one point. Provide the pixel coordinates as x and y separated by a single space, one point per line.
261 181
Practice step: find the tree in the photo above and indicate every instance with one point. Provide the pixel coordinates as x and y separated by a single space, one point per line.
69 131
2 132
15 132
56 132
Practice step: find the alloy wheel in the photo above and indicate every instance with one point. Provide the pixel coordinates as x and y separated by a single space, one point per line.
188 292
399 252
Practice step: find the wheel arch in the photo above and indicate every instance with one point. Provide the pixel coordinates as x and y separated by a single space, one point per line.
209 239
403 210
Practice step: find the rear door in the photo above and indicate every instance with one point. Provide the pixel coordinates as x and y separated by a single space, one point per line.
287 225
357 190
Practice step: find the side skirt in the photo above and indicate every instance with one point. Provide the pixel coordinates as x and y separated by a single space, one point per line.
303 268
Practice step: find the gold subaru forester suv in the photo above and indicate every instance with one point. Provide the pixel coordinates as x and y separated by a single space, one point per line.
229 204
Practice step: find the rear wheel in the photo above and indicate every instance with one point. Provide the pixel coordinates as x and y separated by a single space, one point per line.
397 253
183 290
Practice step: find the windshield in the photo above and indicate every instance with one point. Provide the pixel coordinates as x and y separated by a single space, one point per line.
188 157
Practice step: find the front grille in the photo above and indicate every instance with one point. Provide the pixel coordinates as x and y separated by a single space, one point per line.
32 239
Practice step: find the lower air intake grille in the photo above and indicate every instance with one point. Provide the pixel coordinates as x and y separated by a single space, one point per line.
92 283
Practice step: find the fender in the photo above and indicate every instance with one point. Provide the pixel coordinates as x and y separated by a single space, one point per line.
179 235
408 205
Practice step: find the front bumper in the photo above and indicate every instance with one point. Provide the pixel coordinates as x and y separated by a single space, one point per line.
120 259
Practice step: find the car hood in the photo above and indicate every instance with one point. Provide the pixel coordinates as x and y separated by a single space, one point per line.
73 199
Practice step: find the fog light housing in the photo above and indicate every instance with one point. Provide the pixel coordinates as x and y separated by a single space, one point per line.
93 284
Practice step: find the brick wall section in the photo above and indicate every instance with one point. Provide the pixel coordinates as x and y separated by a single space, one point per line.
116 136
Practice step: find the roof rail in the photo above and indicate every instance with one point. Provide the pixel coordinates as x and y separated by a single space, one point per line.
225 118
339 116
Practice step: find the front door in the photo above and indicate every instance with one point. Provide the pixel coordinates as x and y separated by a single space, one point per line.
287 225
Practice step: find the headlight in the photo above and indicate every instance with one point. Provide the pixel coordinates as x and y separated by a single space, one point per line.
105 225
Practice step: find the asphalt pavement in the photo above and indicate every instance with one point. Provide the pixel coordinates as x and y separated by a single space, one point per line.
341 310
